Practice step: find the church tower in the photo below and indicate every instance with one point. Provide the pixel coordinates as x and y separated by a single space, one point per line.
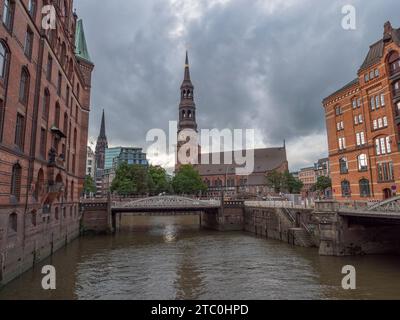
101 147
187 107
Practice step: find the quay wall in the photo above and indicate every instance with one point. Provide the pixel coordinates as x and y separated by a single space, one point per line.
35 239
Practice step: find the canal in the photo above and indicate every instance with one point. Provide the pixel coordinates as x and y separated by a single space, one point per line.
170 258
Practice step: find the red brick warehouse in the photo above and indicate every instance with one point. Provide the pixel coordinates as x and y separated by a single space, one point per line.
363 124
45 84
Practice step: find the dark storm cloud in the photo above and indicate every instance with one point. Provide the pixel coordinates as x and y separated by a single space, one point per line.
255 64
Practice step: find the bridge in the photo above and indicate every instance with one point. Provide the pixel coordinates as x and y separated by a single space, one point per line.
174 205
374 229
106 215
335 228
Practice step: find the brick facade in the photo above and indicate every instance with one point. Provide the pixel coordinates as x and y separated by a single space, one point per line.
41 202
363 127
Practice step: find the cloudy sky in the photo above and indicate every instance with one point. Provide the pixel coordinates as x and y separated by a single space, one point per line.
261 64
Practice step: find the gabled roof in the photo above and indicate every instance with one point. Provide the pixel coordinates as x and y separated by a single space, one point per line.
374 55
81 49
375 52
348 85
265 160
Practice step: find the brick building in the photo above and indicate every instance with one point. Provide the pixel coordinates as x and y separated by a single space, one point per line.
45 82
223 175
309 178
363 125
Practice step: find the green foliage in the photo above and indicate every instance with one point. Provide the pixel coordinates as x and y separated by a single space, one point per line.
188 181
131 179
283 182
138 179
291 184
159 181
323 183
274 181
89 186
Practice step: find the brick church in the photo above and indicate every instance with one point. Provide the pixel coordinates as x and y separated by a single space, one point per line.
223 175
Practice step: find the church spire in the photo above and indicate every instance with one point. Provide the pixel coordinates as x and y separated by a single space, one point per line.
103 127
101 146
187 70
187 107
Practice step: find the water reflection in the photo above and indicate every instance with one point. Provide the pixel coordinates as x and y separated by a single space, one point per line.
172 259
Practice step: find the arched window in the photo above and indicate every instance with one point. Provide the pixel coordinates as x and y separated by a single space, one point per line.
72 191
346 192
66 189
3 60
70 68
365 190
46 105
63 57
24 86
13 223
183 114
383 146
394 62
344 168
57 115
16 181
65 126
8 14
39 184
56 213
362 162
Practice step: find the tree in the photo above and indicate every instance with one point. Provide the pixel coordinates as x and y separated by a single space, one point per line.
187 180
123 183
159 180
131 179
274 180
283 182
89 186
140 176
290 184
323 183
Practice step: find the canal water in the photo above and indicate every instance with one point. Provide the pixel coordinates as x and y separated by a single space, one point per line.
170 258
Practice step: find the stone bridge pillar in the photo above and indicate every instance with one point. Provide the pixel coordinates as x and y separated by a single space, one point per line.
330 228
97 217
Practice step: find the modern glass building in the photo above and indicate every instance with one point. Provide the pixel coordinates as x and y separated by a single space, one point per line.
115 156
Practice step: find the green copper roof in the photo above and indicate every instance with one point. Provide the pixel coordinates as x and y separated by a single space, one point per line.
81 50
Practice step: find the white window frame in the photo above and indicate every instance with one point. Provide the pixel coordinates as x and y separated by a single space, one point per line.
375 124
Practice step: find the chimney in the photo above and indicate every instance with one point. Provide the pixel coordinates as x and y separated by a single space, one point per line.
387 28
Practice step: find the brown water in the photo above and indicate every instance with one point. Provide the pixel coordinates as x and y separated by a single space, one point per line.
173 260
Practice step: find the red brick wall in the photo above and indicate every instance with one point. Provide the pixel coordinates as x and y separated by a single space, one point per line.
365 90
77 112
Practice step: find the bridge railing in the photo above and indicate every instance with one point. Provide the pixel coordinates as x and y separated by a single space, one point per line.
280 204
